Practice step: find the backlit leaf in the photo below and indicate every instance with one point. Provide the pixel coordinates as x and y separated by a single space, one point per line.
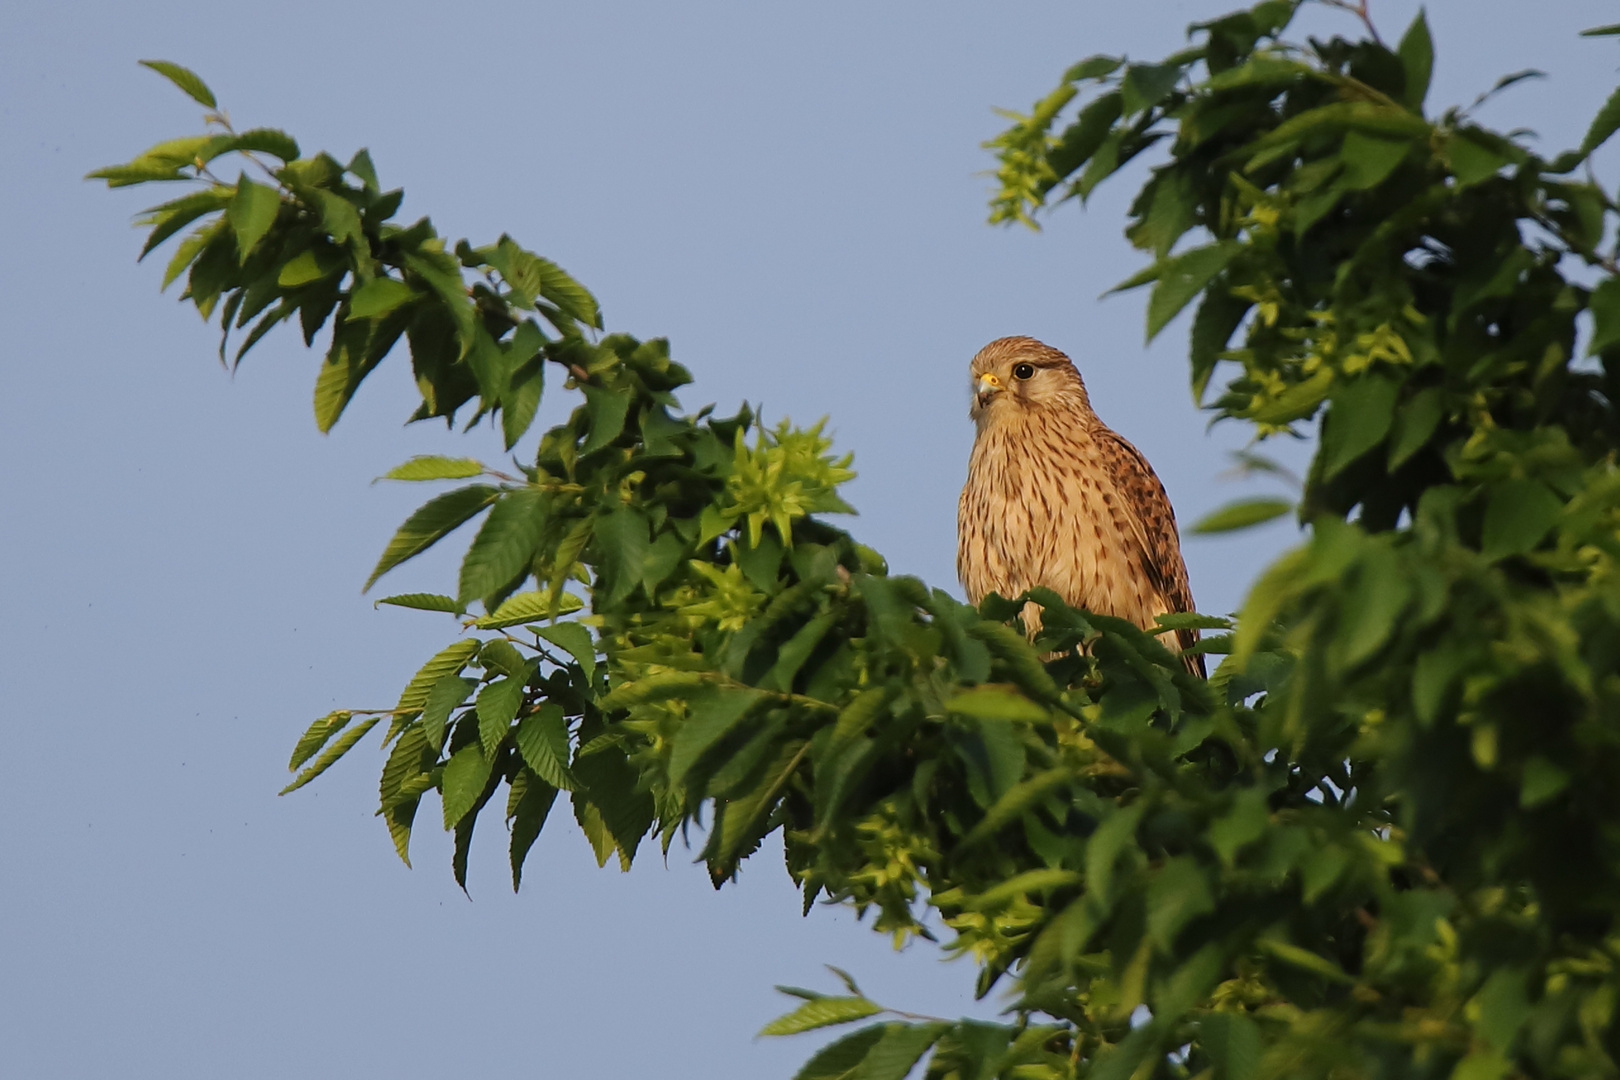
424 602
542 739
821 1013
428 467
447 661
185 79
465 775
343 744
498 704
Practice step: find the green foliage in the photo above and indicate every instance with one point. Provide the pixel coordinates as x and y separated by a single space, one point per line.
1379 841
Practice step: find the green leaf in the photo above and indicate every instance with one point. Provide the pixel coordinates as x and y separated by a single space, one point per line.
528 814
1014 802
573 637
542 740
303 269
1231 1040
1474 157
170 217
842 1059
432 522
1183 277
465 775
1369 159
423 602
1416 52
1241 515
1518 513
191 247
1604 124
498 704
1415 424
329 756
1541 782
607 410
898 1052
1145 85
821 1013
316 735
251 213
447 661
505 544
430 467
711 713
447 694
266 140
1361 414
1602 31
185 79
1178 893
996 703
1605 305
378 297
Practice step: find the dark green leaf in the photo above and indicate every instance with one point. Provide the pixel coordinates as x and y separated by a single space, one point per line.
433 521
1518 513
1182 278
542 739
1416 51
504 545
447 694
711 713
1603 125
1605 306
576 639
379 296
1362 412
842 1060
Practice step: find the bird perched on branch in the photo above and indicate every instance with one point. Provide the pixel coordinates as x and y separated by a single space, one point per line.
1055 497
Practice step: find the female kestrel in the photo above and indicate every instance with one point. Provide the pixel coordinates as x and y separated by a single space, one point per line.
1054 497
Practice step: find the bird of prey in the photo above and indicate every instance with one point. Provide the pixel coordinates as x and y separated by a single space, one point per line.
1055 497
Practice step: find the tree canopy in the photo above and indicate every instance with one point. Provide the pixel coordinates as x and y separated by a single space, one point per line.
1378 841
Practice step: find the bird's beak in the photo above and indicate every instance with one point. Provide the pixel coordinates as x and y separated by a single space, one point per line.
986 387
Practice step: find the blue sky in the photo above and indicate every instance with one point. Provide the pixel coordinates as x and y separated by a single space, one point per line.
794 195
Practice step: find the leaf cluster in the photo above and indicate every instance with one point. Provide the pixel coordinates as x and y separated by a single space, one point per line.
1378 841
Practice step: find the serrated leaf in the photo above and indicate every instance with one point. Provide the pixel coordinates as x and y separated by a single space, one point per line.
822 1012
528 816
316 734
190 248
1183 277
505 544
842 1060
529 607
433 467
432 522
170 217
448 693
266 140
378 297
330 755
498 704
447 661
185 79
1241 515
576 639
542 740
711 712
252 212
898 1052
465 775
422 601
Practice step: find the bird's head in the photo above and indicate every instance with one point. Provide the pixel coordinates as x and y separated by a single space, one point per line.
1019 374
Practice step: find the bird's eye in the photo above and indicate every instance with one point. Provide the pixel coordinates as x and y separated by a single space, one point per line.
1023 371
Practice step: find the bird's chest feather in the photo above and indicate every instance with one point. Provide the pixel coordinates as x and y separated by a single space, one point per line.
1040 508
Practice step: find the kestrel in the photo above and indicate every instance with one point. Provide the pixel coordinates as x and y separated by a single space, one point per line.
1055 497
